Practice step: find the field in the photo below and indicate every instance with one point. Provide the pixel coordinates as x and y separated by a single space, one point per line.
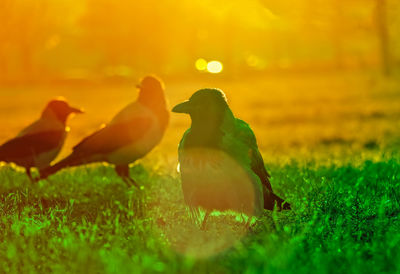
330 142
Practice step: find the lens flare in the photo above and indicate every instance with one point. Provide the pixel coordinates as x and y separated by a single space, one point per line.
215 67
201 64
213 182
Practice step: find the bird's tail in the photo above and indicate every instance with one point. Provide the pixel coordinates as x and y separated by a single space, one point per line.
71 160
271 199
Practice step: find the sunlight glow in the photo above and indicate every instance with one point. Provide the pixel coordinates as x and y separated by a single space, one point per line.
214 67
201 64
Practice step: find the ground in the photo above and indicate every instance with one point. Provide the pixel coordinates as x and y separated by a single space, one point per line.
330 142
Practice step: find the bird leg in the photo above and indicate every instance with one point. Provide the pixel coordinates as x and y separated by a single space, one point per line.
123 172
28 172
203 224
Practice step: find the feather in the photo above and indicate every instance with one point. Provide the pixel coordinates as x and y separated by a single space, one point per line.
20 149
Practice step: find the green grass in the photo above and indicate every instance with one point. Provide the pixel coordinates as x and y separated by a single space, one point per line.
344 219
330 142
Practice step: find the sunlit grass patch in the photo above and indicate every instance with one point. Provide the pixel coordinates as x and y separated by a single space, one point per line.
86 219
332 152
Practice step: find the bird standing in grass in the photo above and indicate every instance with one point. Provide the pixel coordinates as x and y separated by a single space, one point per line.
130 135
220 164
39 143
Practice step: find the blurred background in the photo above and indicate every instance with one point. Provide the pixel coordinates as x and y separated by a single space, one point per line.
302 72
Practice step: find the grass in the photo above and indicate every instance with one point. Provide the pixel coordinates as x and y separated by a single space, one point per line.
344 219
334 156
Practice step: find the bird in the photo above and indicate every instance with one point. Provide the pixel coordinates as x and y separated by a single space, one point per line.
129 136
220 164
39 144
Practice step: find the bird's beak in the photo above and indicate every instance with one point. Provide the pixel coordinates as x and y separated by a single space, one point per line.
76 110
184 107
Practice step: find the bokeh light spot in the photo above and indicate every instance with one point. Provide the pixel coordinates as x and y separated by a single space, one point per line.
214 67
201 64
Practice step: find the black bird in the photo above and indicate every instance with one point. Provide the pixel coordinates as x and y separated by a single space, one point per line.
129 136
220 164
39 143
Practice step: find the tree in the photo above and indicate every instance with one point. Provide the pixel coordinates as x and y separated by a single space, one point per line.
25 28
383 34
129 32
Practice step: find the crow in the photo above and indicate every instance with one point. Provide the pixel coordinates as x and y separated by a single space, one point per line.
219 161
39 143
129 136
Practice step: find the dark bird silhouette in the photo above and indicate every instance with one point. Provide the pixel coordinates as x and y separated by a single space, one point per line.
220 164
129 136
39 143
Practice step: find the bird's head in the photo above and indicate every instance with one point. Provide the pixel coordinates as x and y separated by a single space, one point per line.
151 91
206 106
59 109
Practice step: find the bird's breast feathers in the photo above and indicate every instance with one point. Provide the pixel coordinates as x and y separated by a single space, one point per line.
143 145
213 180
43 159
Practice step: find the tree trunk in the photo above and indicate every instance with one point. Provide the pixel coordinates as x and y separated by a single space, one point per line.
338 33
383 33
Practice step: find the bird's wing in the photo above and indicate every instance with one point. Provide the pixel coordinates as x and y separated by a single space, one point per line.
182 144
31 145
246 136
114 136
42 125
134 109
31 129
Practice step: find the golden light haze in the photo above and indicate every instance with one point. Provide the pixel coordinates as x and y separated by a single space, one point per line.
47 40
